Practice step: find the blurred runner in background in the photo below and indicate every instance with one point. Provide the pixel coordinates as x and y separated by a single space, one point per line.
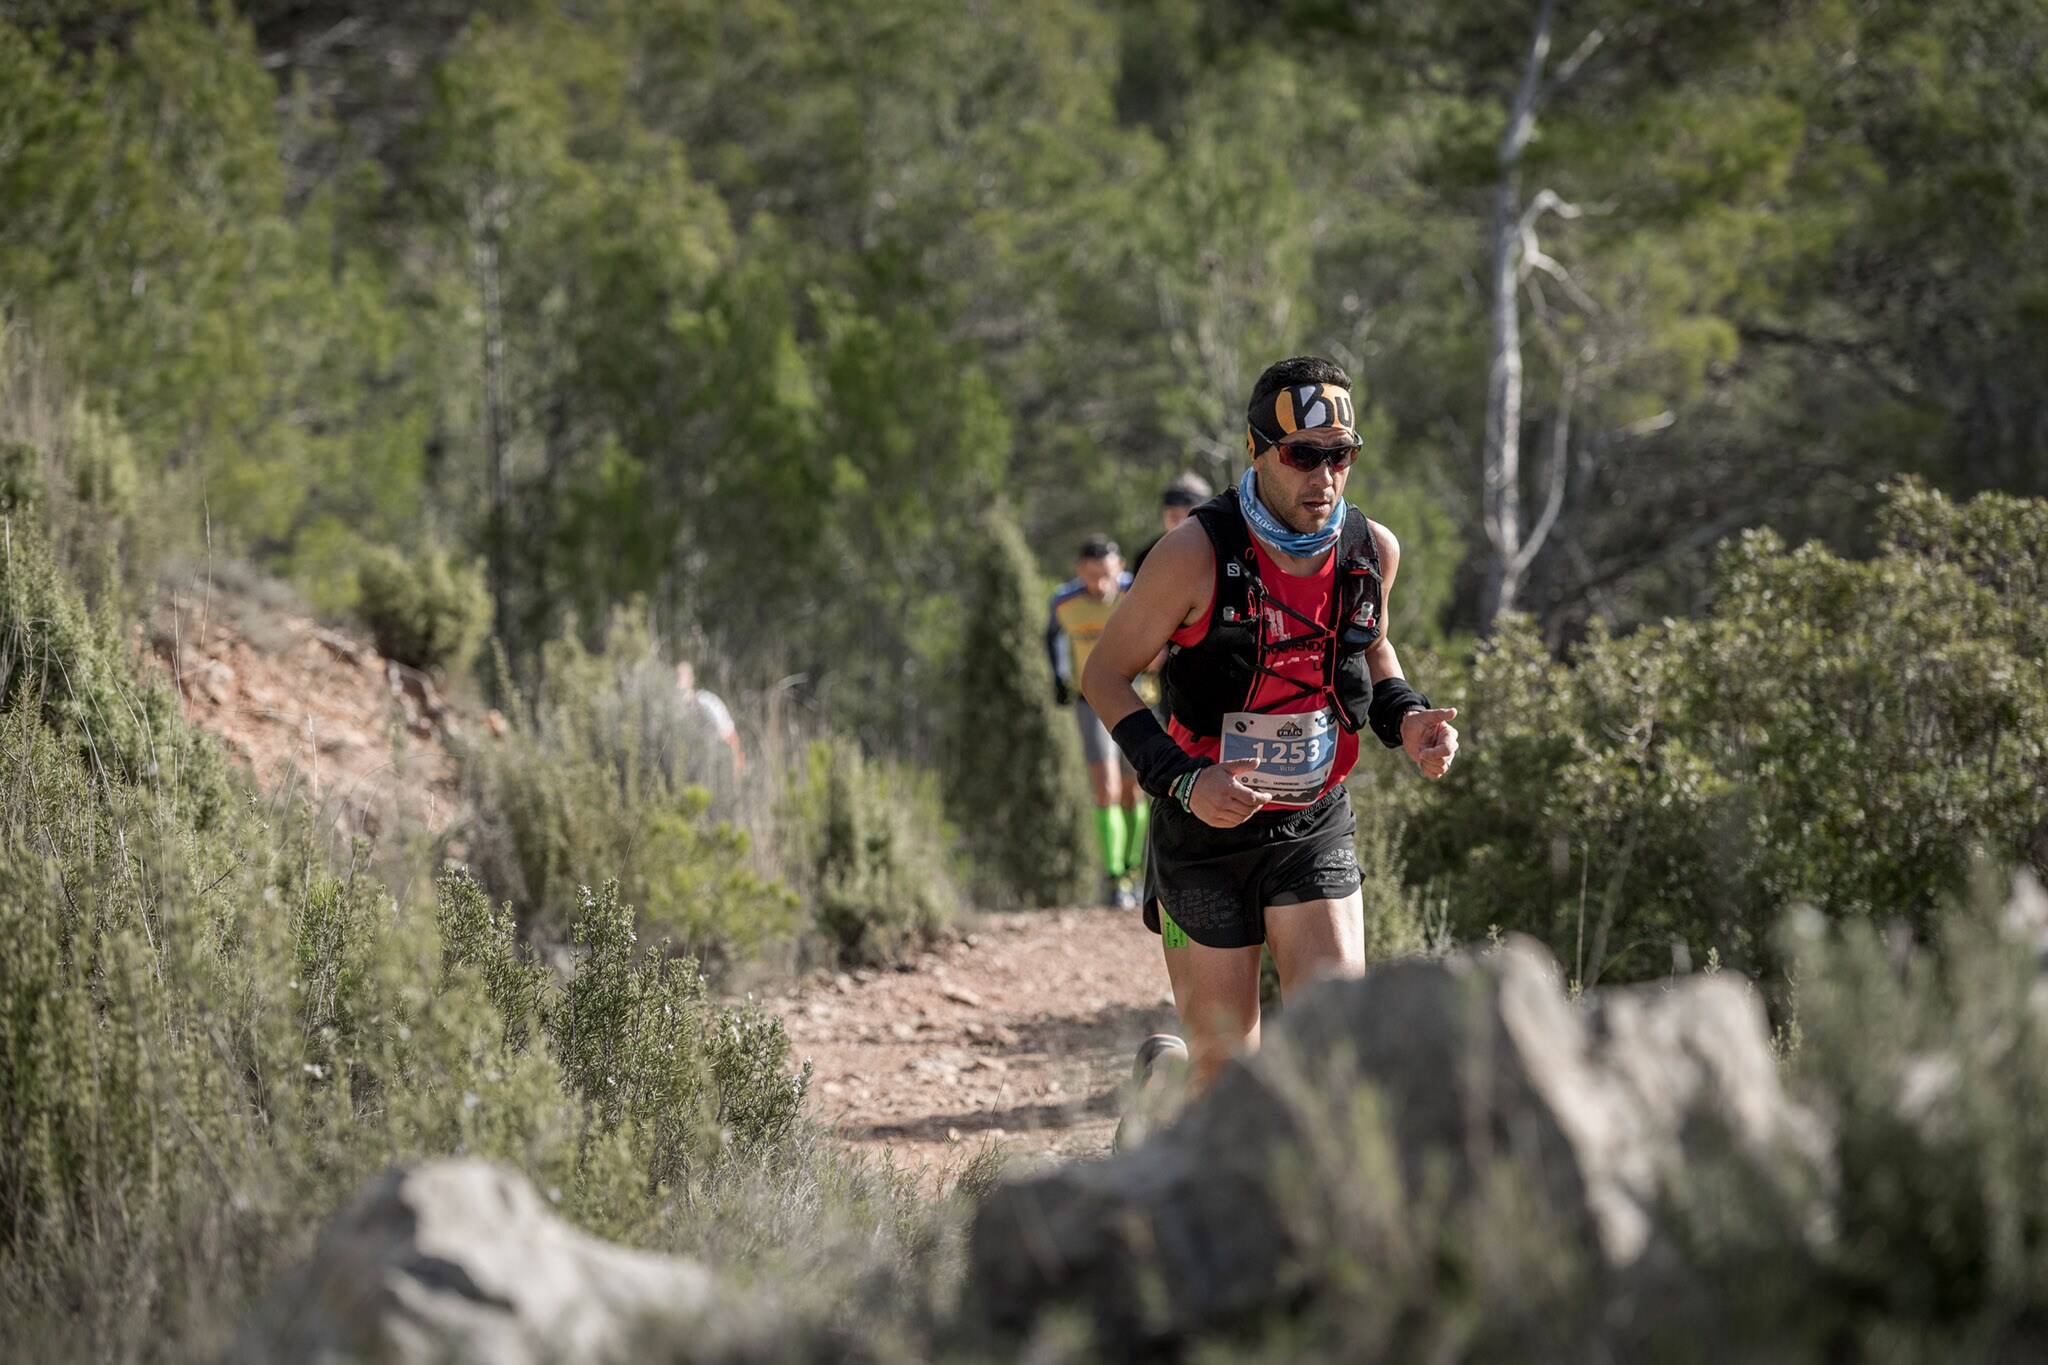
714 711
1081 607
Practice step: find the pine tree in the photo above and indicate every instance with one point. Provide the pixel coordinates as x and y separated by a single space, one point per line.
1014 780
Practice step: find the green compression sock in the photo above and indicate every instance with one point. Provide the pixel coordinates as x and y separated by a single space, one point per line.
1110 831
1140 817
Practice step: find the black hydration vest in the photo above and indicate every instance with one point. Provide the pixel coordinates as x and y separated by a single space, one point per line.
1216 675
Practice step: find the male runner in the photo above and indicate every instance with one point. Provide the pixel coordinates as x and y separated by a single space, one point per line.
1273 600
1081 607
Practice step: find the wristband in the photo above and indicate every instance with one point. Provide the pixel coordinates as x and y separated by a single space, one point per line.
1392 698
1183 790
1154 756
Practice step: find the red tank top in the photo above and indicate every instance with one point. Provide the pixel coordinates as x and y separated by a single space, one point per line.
1295 639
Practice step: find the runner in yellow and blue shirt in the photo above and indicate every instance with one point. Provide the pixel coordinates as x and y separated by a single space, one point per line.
1081 607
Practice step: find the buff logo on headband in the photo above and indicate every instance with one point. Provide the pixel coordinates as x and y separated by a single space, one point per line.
1305 406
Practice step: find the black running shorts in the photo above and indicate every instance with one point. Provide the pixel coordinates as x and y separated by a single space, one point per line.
1216 883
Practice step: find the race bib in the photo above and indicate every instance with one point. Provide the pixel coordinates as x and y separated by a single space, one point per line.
1296 753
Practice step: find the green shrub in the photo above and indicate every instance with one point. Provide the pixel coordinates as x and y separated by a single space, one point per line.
477 938
1014 782
1934 1067
1400 920
56 658
68 468
865 839
1930 1067
604 782
1849 735
205 1041
21 478
426 610
208 1037
638 1040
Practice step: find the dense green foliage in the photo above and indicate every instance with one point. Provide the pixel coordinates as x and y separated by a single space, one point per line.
422 610
1011 760
868 853
1851 735
748 310
613 780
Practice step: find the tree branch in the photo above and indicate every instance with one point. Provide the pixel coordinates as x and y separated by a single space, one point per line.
1560 450
1569 67
1546 201
1858 352
1533 258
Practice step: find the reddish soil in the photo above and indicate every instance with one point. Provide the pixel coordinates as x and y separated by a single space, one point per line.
312 712
1022 1034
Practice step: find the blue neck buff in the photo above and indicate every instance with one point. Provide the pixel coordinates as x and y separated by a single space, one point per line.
1272 530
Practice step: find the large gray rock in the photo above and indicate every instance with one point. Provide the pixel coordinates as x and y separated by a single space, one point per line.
1461 1065
461 1261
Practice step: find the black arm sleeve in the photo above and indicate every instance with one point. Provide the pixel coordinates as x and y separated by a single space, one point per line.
1153 754
1392 698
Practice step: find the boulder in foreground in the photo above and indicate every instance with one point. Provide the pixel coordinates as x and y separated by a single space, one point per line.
1394 1099
463 1261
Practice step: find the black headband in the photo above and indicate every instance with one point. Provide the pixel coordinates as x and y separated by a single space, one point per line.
1299 408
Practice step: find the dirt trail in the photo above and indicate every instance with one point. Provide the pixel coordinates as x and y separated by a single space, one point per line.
1020 1034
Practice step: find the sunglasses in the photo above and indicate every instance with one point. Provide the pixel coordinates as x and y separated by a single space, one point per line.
1307 458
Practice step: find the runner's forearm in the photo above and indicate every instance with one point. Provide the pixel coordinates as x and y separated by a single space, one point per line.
1054 638
1382 662
1392 695
1111 694
1155 757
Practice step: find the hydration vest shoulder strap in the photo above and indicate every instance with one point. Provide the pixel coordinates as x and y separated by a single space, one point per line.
1236 566
1361 592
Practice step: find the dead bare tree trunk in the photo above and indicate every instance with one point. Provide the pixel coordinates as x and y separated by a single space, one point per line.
1502 454
1514 253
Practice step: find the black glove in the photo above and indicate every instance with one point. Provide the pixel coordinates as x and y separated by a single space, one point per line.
1060 695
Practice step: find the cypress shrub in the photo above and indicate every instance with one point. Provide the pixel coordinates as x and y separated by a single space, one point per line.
1011 762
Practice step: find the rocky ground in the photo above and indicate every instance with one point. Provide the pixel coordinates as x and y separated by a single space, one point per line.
1019 1034
312 712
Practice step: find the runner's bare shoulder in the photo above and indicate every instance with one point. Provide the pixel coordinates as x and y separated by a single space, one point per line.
1181 569
1389 547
